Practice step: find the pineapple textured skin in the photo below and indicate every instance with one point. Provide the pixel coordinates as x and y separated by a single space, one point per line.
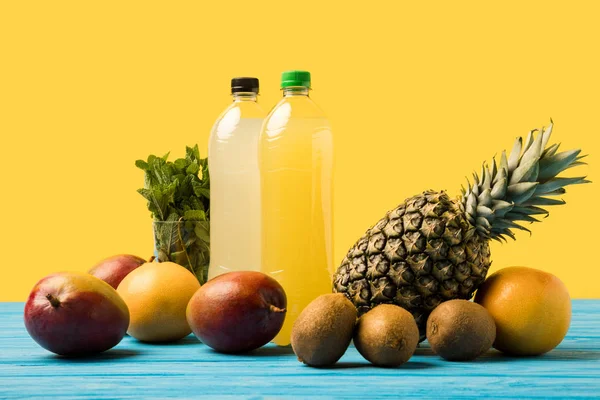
431 249
420 254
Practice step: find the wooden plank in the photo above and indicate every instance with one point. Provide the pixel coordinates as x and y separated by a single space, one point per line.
189 369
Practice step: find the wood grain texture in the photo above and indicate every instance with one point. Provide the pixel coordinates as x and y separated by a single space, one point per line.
189 369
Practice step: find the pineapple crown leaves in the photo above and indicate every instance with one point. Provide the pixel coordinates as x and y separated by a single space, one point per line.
516 188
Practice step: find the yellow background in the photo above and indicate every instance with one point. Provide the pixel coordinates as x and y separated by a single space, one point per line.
418 94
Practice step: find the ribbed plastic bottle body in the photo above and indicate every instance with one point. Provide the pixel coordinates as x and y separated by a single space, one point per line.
296 162
235 188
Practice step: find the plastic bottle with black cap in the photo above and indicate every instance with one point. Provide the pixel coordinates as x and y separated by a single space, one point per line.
235 182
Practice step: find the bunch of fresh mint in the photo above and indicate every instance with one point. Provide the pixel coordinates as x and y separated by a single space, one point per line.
178 195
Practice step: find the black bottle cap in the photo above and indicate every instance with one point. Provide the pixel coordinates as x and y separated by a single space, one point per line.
244 84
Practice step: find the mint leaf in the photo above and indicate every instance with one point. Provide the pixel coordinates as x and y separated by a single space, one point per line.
193 168
202 231
178 198
159 200
192 153
181 164
141 164
195 215
200 190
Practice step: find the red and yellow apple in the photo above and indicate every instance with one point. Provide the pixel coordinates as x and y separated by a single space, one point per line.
237 311
73 314
112 270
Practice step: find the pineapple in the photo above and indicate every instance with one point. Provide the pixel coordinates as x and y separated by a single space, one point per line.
433 248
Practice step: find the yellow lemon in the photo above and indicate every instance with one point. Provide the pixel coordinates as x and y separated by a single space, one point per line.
157 295
531 308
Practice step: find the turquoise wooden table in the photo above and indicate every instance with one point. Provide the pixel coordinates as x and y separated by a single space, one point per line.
189 369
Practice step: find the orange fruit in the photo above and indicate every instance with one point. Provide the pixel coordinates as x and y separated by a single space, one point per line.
531 308
157 295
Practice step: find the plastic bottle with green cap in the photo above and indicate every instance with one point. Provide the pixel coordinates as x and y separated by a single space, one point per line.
296 170
235 182
295 79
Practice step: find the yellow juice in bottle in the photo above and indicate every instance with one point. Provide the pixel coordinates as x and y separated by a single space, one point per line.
296 162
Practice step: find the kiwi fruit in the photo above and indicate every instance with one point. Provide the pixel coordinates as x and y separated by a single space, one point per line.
323 330
387 335
460 330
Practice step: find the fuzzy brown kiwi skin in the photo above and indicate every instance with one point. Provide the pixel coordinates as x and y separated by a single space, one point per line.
323 330
460 330
387 335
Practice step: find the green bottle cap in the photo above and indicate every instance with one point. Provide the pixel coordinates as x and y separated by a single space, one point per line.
295 78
